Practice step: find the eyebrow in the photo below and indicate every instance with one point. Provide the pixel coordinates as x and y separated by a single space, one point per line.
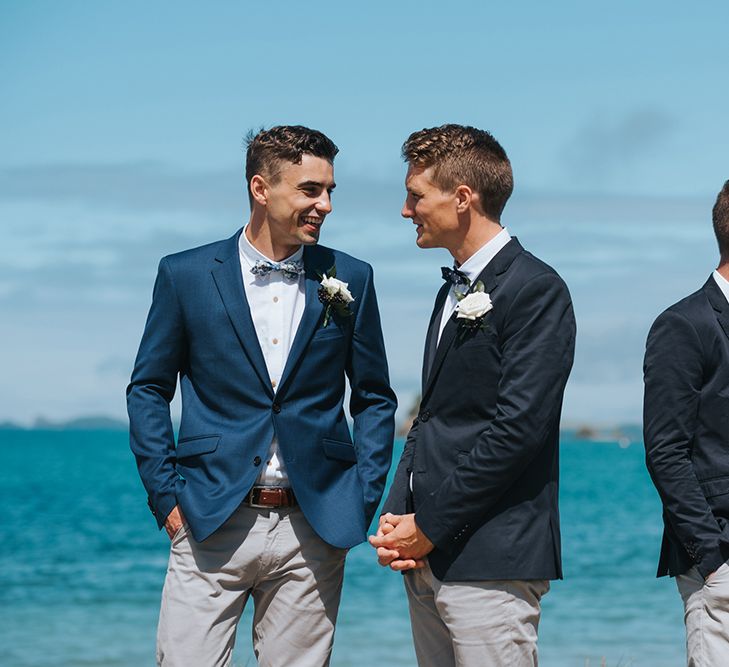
317 184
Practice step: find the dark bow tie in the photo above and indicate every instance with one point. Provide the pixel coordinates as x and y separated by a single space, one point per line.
454 276
289 269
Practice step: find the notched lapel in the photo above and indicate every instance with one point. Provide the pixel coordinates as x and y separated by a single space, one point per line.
718 303
431 335
490 277
229 281
315 264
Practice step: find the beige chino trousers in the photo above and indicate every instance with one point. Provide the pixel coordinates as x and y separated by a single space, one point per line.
273 555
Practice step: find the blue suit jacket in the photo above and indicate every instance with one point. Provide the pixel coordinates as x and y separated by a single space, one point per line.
200 329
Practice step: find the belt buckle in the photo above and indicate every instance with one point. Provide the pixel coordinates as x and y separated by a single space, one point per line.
259 506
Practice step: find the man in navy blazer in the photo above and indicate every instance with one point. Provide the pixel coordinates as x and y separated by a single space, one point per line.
472 514
686 434
266 488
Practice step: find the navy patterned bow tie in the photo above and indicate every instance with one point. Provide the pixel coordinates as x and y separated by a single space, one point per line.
454 276
290 270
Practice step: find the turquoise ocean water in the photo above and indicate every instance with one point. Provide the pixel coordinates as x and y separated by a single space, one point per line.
82 565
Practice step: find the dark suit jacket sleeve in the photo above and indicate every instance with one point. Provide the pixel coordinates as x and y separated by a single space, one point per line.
152 387
372 402
537 352
396 502
673 373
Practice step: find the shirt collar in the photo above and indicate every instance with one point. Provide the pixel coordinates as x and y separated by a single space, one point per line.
723 284
252 255
477 262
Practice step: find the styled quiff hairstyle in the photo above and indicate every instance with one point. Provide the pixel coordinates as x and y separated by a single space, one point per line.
464 155
720 218
267 149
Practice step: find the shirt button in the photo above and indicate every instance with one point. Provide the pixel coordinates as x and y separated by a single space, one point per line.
257 461
275 341
274 383
275 299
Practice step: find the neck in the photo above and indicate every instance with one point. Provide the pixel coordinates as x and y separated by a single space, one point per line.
723 267
258 233
479 231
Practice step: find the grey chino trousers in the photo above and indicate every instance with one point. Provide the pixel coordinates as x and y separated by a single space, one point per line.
273 555
706 615
474 623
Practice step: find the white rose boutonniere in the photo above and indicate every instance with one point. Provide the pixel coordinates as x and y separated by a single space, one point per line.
334 294
472 308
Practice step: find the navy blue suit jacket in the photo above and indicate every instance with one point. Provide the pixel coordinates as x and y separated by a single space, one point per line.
484 449
200 329
686 429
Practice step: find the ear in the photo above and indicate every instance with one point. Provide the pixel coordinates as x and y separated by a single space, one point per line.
259 190
464 197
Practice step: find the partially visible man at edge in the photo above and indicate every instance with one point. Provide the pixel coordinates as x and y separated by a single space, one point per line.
265 490
472 516
686 435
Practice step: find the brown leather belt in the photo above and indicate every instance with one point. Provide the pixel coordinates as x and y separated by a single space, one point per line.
270 496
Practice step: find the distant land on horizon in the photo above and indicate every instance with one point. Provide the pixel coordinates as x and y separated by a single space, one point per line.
621 433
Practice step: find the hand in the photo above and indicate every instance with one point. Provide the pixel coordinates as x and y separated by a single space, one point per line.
400 543
385 556
390 557
174 521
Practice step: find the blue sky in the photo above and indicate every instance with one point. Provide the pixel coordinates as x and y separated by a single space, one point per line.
122 133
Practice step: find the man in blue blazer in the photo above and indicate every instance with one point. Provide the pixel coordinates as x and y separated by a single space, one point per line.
472 516
266 488
686 429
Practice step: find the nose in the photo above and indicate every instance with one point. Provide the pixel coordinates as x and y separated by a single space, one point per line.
324 205
407 211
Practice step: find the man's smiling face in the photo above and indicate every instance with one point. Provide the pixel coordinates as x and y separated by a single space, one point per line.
299 200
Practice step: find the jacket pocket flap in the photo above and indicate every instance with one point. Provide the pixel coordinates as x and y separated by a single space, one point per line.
199 445
715 487
336 449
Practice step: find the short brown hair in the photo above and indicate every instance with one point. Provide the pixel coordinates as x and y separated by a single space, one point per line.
266 149
720 218
464 155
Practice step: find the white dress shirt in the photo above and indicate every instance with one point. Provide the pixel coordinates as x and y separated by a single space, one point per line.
276 304
723 284
472 267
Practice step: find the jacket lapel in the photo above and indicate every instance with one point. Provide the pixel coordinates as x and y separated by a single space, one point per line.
312 315
431 336
718 303
229 281
490 277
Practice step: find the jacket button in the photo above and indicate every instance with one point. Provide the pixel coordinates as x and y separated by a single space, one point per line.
257 461
276 408
425 416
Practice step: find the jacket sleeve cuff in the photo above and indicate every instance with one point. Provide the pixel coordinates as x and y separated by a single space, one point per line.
443 537
711 562
160 511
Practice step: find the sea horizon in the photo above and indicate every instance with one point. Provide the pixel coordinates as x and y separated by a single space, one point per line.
84 564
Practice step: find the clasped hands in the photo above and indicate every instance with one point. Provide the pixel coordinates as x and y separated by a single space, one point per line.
400 544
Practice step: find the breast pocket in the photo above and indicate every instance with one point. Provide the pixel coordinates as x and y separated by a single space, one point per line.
327 333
